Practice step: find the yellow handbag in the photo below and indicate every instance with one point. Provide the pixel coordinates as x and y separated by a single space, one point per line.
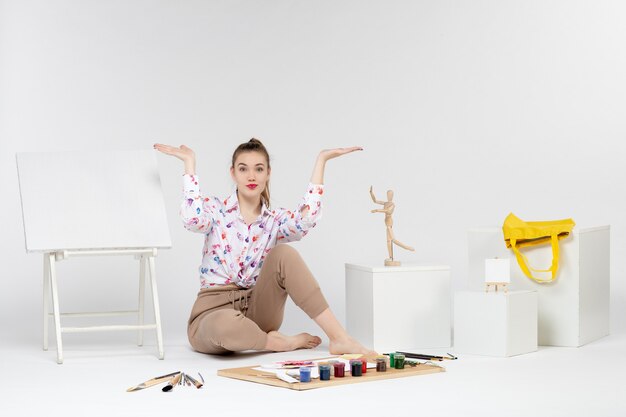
519 234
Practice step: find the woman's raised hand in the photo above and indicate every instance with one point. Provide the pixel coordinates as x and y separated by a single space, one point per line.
183 153
327 154
318 170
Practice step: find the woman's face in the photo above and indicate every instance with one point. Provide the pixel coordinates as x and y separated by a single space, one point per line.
250 173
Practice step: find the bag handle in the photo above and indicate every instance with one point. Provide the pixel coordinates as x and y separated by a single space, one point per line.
523 261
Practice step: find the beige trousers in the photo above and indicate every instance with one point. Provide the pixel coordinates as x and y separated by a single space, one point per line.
230 319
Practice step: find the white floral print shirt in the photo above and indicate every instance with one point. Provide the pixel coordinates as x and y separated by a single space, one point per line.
234 251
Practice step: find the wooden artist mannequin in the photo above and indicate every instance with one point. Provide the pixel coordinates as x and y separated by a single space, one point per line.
388 208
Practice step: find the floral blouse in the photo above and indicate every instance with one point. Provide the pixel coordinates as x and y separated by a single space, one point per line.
234 251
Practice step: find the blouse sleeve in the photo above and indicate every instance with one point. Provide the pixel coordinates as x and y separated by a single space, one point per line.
294 225
196 211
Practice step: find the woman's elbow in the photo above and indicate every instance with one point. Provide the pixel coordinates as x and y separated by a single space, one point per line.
194 225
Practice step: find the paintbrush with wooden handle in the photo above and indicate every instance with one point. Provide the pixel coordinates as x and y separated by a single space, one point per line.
173 382
154 381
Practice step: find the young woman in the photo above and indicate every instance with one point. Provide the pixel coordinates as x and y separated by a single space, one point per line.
247 269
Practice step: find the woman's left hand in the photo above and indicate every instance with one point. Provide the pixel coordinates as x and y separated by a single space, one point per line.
318 171
327 154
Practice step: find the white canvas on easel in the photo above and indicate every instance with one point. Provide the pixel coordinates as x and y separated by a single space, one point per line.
88 204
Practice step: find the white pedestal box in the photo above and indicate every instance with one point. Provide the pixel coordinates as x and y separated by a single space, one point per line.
495 324
574 309
398 307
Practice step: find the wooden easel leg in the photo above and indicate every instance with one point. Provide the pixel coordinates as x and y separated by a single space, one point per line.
142 293
55 306
46 299
155 303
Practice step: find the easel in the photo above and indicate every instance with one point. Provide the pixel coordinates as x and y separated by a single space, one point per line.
114 207
502 285
497 274
146 259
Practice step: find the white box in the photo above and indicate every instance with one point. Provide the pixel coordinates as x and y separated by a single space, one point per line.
495 324
574 309
398 307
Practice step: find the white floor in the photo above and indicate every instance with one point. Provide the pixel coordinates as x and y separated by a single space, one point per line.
586 381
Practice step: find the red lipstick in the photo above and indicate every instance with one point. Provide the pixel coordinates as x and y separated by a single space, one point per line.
252 186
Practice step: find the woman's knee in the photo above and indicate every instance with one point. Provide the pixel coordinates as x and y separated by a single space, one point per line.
283 251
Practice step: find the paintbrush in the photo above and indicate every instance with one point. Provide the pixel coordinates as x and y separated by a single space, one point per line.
427 357
173 382
194 381
154 381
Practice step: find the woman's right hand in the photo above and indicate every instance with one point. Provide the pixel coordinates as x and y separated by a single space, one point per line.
183 153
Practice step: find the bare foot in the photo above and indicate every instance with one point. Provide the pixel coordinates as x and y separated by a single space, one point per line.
279 342
348 345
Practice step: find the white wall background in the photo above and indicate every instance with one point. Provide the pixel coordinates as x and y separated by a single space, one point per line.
467 109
